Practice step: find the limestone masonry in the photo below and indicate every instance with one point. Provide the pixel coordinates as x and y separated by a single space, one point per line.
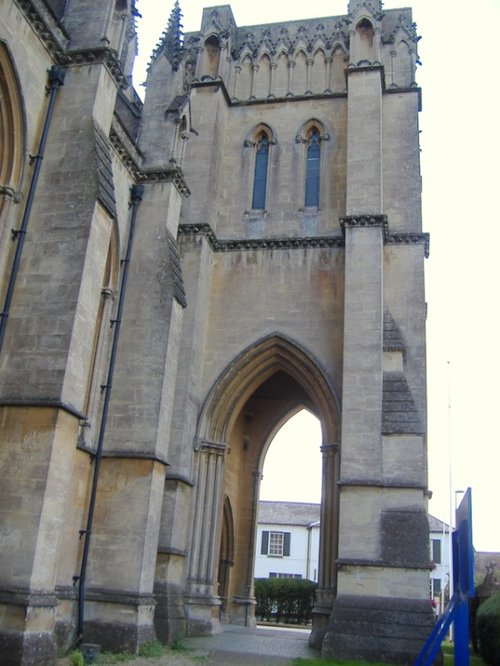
178 278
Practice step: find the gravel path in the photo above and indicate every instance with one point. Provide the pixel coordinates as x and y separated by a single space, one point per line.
234 646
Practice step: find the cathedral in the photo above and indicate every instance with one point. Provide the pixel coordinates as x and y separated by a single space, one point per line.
181 275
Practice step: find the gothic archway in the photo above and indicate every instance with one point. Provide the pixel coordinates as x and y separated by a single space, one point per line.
251 399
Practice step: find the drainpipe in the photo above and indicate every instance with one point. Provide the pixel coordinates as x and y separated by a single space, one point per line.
56 80
135 199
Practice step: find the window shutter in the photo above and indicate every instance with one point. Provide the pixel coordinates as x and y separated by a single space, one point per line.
286 543
265 542
436 551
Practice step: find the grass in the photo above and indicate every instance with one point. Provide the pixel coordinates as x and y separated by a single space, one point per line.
331 662
152 649
449 657
448 652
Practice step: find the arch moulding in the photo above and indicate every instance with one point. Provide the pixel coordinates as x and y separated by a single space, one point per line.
251 368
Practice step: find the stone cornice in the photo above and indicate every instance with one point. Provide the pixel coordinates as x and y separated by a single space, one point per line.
172 551
179 478
304 242
101 55
345 562
377 483
114 597
48 29
284 243
355 221
55 39
135 455
406 238
25 597
171 174
48 403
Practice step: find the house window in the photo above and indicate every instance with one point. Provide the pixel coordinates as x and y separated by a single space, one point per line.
260 174
312 169
435 587
436 551
275 544
273 574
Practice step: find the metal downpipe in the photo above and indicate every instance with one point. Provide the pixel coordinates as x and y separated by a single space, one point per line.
56 80
135 199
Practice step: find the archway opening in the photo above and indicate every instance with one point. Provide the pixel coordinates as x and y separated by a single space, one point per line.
292 466
288 525
265 387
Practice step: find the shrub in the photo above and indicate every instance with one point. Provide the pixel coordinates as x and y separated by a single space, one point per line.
152 649
488 630
76 658
288 599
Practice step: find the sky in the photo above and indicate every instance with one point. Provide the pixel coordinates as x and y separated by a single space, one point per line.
460 144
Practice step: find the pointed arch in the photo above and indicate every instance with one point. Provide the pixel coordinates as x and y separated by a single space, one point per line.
262 87
318 82
12 129
300 72
402 64
281 76
211 57
250 369
364 41
261 140
226 552
337 69
312 135
244 81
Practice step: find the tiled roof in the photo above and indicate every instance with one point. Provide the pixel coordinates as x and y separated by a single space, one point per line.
436 525
305 513
288 513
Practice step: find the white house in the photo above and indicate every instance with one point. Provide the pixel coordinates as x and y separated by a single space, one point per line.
439 538
287 540
288 545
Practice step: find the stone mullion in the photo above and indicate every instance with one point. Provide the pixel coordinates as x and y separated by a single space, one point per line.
328 70
271 79
309 76
237 72
255 69
291 66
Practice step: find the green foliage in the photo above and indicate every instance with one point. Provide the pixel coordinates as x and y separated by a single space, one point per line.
284 599
320 661
177 644
488 630
152 649
76 658
115 657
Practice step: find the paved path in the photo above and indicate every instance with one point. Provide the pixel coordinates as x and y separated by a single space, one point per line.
264 646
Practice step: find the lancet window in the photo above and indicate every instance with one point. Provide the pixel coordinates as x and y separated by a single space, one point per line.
312 168
260 171
312 137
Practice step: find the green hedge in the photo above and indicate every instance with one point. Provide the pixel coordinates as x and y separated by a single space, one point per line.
288 600
488 630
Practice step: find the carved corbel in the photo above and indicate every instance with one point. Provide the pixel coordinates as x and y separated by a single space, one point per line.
10 193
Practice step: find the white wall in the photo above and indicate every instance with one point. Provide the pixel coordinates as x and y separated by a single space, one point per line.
298 563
